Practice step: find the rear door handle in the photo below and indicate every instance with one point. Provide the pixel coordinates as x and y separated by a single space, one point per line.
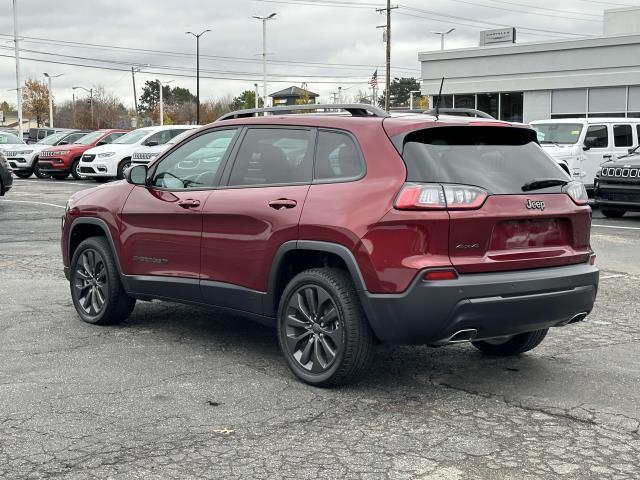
281 203
189 203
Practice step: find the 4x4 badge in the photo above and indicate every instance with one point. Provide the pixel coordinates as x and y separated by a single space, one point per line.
535 205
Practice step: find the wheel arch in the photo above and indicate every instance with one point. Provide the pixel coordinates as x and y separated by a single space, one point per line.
295 256
83 228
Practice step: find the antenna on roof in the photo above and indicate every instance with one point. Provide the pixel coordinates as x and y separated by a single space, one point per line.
439 99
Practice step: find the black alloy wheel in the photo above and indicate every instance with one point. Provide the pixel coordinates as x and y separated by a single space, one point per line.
124 164
90 282
37 172
323 332
314 332
75 171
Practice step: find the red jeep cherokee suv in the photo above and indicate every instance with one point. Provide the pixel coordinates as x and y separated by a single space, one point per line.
344 231
63 160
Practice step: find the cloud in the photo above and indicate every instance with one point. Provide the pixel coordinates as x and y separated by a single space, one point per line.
303 33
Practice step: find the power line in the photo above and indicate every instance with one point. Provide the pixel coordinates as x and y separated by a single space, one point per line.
305 64
504 9
148 72
548 8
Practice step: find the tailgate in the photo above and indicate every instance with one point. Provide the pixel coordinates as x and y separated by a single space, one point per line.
507 235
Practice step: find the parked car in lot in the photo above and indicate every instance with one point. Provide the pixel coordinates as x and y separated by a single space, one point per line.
63 160
24 161
344 231
37 134
583 144
145 154
617 186
6 180
110 161
9 141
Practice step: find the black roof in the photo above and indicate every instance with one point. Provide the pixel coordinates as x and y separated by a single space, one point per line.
294 92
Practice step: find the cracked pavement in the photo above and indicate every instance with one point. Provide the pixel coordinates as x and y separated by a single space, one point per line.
180 392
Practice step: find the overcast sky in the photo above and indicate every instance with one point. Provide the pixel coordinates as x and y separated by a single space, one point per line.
321 31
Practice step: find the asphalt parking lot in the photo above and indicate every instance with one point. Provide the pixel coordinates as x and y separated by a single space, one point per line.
179 392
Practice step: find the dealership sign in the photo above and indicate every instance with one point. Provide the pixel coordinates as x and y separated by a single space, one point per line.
500 35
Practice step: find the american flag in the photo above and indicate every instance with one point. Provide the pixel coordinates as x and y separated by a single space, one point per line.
374 79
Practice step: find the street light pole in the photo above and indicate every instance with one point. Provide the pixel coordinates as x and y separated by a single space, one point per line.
17 53
51 96
161 102
264 53
90 92
198 71
442 35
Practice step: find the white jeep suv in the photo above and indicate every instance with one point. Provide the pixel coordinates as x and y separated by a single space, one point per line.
110 161
145 154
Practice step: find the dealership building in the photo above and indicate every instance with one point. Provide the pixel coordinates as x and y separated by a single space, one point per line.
592 76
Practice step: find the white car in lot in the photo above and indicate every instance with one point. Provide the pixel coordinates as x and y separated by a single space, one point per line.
24 160
110 161
145 154
583 144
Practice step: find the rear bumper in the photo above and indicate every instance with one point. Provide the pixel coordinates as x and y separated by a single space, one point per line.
493 304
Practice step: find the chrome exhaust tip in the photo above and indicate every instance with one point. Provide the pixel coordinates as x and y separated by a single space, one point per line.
578 317
462 336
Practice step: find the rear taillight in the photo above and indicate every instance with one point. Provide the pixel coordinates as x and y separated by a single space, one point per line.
577 192
436 196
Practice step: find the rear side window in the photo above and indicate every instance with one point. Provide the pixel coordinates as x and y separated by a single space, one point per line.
270 156
597 136
622 136
337 157
498 159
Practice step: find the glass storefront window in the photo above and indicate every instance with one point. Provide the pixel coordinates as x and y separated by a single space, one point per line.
511 106
447 101
465 101
488 103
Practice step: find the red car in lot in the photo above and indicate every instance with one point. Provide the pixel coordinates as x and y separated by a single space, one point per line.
342 232
63 160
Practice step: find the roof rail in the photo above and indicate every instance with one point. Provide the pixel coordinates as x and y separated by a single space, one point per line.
355 109
460 112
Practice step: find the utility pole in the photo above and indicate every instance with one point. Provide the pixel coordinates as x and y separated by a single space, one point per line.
73 102
257 94
388 37
135 97
339 94
17 53
198 71
51 97
264 53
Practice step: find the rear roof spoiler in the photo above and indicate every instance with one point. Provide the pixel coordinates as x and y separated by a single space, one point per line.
355 109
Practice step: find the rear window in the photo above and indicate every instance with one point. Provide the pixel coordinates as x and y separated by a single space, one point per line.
498 159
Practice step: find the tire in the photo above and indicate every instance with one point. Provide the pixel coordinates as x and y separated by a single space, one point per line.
95 285
37 172
612 213
329 294
75 170
60 176
101 179
122 166
513 345
22 173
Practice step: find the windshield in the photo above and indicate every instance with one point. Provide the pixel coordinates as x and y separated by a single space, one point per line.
498 159
52 139
562 133
8 138
89 138
132 137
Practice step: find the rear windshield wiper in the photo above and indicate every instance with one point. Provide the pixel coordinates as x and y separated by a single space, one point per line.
539 183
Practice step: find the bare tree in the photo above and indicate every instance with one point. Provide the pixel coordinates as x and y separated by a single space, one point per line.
35 98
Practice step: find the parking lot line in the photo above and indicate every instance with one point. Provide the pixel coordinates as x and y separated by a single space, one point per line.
34 203
616 226
49 182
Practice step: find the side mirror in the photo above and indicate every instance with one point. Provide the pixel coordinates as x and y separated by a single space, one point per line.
136 175
64 142
151 143
101 142
632 150
589 143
